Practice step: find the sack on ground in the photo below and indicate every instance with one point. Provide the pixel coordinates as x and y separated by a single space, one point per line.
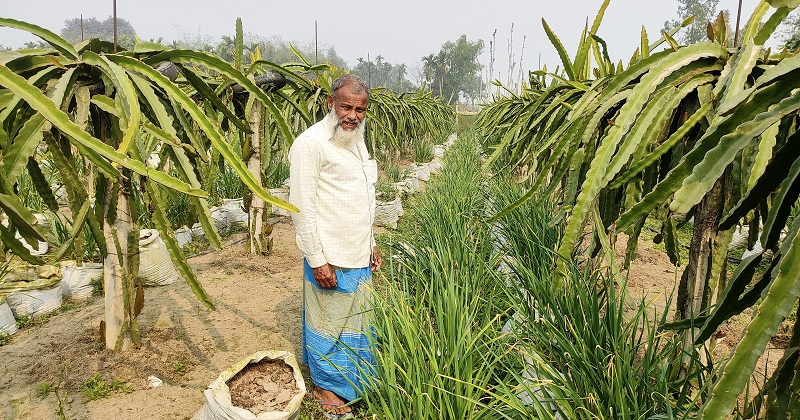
197 231
155 264
184 235
76 282
283 194
219 217
435 166
423 171
234 212
8 325
218 404
32 290
388 213
438 151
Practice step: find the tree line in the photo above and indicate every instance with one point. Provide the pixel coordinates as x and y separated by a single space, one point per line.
452 74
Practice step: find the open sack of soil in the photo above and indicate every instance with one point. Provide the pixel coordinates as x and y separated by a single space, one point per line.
266 385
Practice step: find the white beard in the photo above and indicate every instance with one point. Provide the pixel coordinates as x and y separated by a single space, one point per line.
345 138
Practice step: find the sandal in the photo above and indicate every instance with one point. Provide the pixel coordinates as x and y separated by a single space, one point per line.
334 404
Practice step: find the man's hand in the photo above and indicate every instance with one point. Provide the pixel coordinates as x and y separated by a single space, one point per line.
376 260
325 276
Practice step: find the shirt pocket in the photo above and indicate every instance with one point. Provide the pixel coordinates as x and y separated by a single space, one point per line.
371 171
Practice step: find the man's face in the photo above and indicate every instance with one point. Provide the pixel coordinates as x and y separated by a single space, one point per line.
350 108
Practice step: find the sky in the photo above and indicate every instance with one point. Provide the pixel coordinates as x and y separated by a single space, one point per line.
401 32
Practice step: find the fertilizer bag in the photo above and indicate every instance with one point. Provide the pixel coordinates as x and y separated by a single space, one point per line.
218 396
155 264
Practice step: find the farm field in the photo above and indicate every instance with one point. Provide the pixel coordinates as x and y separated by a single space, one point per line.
258 308
609 239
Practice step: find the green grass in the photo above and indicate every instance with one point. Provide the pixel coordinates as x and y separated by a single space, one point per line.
44 389
97 386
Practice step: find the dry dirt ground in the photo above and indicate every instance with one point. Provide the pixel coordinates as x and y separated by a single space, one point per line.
258 303
184 344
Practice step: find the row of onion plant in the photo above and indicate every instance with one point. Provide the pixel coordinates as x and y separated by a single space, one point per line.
469 323
588 350
439 312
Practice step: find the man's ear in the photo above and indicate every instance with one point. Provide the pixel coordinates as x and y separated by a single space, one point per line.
330 102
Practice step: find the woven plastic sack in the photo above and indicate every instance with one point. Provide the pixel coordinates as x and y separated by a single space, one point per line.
184 235
283 194
450 140
423 171
218 396
234 212
219 217
197 231
438 151
739 238
8 325
413 183
435 166
155 265
388 213
32 290
76 282
43 246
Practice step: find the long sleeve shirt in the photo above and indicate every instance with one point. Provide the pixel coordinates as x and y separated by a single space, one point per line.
334 189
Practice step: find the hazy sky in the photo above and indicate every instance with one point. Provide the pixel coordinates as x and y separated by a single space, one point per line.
400 31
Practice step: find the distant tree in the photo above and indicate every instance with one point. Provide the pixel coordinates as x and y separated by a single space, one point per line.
704 11
454 72
381 73
94 28
273 49
791 31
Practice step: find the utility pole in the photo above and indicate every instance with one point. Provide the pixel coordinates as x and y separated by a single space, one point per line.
115 26
316 44
738 18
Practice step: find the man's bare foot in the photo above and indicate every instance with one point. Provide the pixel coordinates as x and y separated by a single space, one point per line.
330 402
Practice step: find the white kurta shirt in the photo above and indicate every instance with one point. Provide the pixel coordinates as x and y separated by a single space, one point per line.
334 189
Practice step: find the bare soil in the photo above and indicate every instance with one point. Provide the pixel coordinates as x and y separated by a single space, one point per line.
262 387
184 344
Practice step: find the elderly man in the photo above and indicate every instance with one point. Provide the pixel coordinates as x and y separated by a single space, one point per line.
332 183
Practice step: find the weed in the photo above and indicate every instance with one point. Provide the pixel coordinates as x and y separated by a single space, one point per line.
179 367
44 389
4 339
195 247
29 321
97 387
385 191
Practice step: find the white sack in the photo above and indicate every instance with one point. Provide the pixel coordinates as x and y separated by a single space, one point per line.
155 264
218 396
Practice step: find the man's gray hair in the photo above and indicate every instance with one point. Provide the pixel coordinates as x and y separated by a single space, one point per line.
356 84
